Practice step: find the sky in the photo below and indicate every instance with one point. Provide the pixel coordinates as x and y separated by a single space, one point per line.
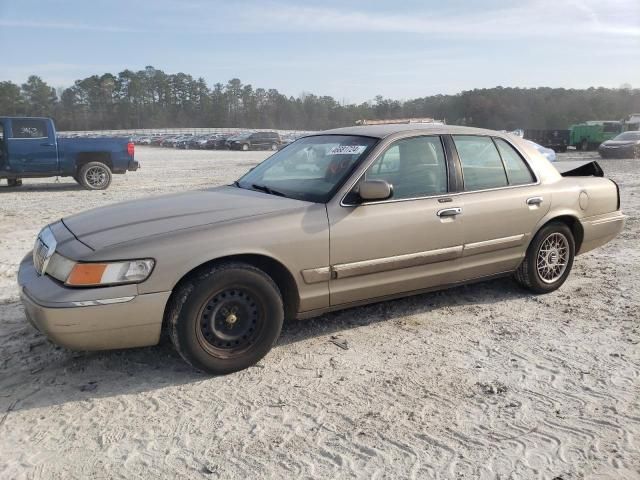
352 50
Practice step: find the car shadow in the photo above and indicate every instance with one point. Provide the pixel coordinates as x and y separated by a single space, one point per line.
42 187
44 375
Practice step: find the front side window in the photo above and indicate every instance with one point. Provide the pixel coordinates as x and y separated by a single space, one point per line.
311 168
28 128
481 164
517 171
415 167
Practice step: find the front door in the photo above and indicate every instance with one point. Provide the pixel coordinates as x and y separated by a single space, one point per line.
31 147
502 204
406 243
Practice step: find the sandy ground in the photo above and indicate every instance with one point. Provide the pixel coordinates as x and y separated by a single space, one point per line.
485 381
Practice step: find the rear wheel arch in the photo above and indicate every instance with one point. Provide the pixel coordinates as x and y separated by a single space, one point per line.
83 158
280 275
570 221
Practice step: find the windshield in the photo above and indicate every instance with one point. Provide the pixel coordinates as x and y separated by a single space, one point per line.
628 136
311 168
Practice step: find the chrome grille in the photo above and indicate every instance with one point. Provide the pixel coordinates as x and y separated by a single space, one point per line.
43 249
40 251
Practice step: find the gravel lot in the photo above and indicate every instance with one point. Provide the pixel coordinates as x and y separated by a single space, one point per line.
485 381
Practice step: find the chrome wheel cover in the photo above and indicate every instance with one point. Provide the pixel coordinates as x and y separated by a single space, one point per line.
552 258
96 177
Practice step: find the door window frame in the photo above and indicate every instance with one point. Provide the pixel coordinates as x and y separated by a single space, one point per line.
536 180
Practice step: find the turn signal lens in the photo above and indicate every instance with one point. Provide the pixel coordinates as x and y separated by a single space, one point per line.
96 274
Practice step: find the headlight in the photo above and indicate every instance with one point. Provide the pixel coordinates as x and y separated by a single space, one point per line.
100 274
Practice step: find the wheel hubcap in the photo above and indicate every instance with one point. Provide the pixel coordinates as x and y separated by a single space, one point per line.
552 257
229 322
96 176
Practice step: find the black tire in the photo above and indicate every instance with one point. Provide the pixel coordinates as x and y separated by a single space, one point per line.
529 275
14 182
94 176
200 312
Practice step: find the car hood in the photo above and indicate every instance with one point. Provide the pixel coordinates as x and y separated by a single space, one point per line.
127 221
619 143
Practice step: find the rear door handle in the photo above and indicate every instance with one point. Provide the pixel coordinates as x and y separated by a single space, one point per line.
449 212
534 200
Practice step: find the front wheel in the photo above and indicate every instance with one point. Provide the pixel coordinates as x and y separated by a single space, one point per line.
549 259
94 176
226 318
14 182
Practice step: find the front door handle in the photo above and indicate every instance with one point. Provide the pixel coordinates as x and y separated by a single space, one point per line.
449 212
534 200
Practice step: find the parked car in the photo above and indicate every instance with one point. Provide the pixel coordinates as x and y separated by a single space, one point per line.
589 135
31 148
342 218
255 141
548 153
625 145
217 142
557 140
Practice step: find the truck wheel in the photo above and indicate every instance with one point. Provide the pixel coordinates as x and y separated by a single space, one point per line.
226 318
95 176
549 259
14 182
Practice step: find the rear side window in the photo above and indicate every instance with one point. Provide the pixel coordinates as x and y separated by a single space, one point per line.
28 128
517 171
415 167
481 164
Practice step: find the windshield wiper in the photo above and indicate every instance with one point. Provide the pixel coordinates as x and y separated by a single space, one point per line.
265 189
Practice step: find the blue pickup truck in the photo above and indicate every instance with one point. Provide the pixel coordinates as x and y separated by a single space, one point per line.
30 147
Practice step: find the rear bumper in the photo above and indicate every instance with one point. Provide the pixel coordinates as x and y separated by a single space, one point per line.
133 165
601 229
82 324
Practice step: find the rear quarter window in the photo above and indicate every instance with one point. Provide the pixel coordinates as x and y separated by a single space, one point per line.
518 172
481 164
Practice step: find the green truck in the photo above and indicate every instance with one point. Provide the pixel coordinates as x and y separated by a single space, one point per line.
589 135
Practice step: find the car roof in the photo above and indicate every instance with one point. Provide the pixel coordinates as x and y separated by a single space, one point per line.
385 130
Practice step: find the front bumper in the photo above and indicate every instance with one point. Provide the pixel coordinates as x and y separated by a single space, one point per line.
618 152
90 319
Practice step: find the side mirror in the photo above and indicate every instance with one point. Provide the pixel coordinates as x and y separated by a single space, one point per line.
373 190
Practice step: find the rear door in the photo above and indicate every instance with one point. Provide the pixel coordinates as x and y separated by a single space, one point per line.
402 244
32 146
502 204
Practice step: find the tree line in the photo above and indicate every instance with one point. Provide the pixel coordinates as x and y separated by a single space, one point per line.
151 98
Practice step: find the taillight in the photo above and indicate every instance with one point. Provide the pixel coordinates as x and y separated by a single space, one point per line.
131 149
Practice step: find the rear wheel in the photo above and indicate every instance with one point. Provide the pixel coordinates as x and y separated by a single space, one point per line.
549 259
14 182
584 145
95 176
225 319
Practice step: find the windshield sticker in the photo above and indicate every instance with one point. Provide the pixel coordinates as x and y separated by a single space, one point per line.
348 150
